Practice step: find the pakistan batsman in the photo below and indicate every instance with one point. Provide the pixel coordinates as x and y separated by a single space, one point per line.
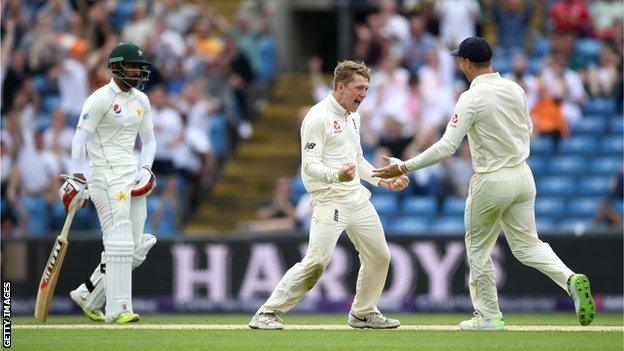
107 130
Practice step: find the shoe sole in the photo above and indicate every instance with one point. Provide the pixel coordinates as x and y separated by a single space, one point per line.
134 319
255 327
587 307
370 327
481 329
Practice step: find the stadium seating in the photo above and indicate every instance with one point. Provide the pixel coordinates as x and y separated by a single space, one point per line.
37 209
419 206
578 145
386 204
407 225
566 165
556 185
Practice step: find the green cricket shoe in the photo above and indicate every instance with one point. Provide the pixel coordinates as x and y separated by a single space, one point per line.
95 315
478 323
126 317
578 286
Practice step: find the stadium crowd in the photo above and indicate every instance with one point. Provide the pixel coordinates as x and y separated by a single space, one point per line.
567 57
206 88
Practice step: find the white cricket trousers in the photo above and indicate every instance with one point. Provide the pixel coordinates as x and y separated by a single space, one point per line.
364 229
109 191
504 198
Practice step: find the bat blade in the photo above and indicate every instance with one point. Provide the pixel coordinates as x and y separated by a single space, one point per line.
49 278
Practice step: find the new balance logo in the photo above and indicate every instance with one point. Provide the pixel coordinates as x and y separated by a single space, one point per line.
309 146
336 215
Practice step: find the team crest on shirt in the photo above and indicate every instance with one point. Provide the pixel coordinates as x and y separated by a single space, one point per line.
117 109
337 127
455 119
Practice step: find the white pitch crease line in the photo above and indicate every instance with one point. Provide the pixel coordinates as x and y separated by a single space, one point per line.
419 327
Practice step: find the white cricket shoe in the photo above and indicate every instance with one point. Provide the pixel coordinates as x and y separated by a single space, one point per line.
266 320
374 320
95 315
478 323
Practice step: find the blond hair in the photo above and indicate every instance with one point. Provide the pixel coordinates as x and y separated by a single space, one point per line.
345 69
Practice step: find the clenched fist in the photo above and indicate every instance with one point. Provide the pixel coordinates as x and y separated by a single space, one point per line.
346 172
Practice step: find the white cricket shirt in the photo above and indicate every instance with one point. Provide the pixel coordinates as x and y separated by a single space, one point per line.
494 114
114 118
330 138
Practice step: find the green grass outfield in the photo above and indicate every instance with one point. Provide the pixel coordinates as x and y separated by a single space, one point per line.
81 334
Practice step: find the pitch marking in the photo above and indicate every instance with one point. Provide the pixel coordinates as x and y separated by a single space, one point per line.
523 328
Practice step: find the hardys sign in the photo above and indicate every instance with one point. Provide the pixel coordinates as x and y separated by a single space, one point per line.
426 274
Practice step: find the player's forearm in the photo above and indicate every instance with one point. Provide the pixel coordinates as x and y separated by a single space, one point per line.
365 171
148 150
320 172
79 151
434 154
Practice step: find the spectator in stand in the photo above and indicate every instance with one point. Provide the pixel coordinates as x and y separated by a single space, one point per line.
512 19
168 132
520 74
17 72
179 15
241 77
606 210
8 215
601 79
303 212
603 14
35 175
370 46
197 157
73 84
417 45
458 20
279 214
566 84
570 16
547 114
39 45
266 66
140 26
320 88
58 139
393 25
59 12
436 90
458 171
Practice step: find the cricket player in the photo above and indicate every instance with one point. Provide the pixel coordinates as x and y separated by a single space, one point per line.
109 123
332 165
494 114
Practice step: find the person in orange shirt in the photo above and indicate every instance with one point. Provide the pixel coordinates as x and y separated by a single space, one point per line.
548 116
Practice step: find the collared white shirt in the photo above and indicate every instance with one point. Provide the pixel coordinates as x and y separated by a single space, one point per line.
494 114
330 138
114 118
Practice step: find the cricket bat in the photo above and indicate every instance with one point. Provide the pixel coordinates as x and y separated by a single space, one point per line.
52 269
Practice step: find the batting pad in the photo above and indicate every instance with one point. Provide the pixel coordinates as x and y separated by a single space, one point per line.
94 290
118 248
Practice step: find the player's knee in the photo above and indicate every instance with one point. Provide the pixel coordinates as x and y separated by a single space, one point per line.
118 239
141 250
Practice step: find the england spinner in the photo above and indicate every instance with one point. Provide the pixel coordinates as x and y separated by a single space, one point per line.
107 130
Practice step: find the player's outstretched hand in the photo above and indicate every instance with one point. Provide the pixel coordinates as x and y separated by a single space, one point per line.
399 183
346 172
394 169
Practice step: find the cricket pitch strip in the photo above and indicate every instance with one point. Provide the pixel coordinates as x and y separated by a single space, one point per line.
328 327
